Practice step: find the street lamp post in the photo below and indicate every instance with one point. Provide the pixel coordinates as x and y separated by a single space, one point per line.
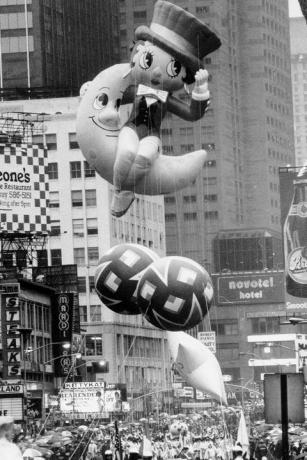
32 350
25 333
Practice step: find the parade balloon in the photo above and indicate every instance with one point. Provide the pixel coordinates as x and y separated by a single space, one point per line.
178 427
118 273
99 120
174 293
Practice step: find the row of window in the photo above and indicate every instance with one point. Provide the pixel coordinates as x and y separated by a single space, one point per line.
188 216
189 198
75 170
76 198
50 140
78 227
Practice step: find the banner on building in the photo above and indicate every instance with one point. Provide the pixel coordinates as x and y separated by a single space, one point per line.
92 397
293 204
62 329
24 188
10 324
251 288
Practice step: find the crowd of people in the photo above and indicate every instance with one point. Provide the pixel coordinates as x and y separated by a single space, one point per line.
210 435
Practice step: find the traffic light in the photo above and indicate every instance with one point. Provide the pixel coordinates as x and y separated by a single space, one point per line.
101 366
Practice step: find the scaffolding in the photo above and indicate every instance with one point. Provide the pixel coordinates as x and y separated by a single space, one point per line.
20 127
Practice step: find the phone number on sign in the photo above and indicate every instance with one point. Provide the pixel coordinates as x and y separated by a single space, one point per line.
24 195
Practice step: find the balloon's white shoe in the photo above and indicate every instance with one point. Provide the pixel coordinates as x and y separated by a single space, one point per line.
121 203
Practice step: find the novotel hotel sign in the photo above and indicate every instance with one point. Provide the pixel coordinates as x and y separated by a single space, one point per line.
250 288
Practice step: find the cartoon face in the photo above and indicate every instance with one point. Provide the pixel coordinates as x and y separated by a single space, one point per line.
106 105
157 68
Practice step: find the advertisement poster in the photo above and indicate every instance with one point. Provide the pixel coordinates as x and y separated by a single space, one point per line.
92 398
24 188
293 199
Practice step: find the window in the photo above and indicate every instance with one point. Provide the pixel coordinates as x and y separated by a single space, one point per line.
91 280
75 169
76 198
54 200
93 345
56 256
93 255
185 148
170 217
77 227
38 139
189 199
265 325
212 197
186 131
95 313
79 256
53 172
90 197
81 284
210 180
51 141
83 313
170 199
190 216
42 258
55 228
73 144
211 214
229 327
92 226
88 170
140 15
210 164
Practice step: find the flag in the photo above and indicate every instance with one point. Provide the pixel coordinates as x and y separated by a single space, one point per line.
242 436
118 449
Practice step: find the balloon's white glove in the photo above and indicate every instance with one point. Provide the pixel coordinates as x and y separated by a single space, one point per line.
200 91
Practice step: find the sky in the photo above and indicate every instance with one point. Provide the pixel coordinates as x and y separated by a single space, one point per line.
294 8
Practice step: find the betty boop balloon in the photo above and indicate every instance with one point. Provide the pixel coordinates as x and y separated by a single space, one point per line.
174 293
117 276
165 58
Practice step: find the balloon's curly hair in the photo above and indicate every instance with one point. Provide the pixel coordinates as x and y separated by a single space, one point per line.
134 48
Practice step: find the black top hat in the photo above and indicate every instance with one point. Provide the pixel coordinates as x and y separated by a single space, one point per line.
179 33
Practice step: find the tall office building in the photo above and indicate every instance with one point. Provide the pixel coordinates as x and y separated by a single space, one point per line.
55 45
229 219
82 230
298 37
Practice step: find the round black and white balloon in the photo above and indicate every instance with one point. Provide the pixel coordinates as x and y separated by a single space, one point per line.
117 276
174 293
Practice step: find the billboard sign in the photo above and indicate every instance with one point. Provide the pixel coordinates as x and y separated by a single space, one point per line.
62 324
208 339
93 397
251 288
293 204
11 338
24 188
11 406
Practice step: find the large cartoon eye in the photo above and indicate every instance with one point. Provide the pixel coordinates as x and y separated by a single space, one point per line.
101 101
173 68
146 60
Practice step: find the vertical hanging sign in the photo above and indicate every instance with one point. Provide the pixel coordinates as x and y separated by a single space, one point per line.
62 325
11 340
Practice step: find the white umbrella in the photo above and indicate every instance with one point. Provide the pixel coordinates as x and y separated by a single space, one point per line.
197 364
